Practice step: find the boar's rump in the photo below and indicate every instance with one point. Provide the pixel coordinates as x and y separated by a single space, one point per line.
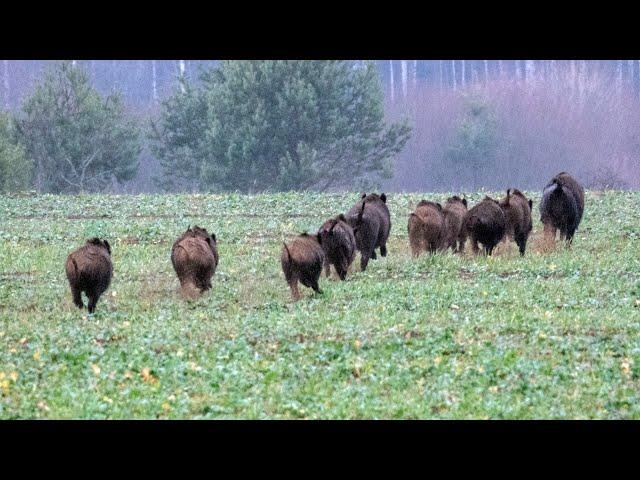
517 210
561 207
302 261
194 257
371 223
426 228
339 245
485 223
455 210
89 269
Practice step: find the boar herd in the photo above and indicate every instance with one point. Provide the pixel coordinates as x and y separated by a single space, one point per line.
364 228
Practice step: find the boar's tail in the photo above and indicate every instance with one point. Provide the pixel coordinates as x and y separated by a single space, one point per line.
286 249
75 265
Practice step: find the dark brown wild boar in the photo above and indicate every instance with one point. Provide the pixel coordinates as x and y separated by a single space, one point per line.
302 261
371 225
561 207
517 210
194 257
89 270
339 245
426 228
454 212
484 223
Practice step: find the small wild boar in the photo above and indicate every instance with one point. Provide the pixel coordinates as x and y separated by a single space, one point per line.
426 228
89 270
194 257
371 225
517 210
454 212
302 261
484 223
561 207
339 245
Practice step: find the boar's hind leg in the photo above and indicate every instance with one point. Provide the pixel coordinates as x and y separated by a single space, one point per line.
327 267
521 240
383 250
93 300
77 297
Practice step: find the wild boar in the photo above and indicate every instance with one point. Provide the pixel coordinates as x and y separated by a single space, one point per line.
194 257
339 245
426 228
302 261
89 269
371 223
485 223
517 210
561 207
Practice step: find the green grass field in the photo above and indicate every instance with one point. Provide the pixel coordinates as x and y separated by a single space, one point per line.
551 335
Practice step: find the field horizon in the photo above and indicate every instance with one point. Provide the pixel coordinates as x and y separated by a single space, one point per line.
552 335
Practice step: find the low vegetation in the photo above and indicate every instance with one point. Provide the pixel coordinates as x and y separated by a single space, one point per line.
553 334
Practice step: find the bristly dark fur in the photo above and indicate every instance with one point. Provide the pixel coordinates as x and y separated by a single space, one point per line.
371 223
339 245
426 228
89 269
302 261
484 223
194 256
562 207
454 212
517 210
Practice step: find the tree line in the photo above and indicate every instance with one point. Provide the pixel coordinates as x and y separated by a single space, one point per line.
249 126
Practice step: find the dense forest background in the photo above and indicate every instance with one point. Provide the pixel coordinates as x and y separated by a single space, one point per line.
475 123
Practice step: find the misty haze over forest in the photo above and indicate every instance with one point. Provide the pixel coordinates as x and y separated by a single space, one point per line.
475 123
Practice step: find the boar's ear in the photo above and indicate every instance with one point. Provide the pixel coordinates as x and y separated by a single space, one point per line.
319 238
464 202
383 197
531 205
213 237
106 244
363 195
342 217
439 206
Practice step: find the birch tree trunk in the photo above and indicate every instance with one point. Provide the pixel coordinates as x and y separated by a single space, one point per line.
403 68
453 71
154 82
440 72
415 73
6 83
463 81
486 72
181 67
391 86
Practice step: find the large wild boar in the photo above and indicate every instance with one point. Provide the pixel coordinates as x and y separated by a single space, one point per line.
302 261
194 257
517 210
561 207
454 212
339 245
484 223
89 269
371 225
426 228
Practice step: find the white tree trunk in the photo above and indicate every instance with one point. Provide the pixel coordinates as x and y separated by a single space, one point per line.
391 86
486 72
517 70
529 71
6 83
154 82
403 68
182 67
463 81
453 70
500 68
415 73
440 72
